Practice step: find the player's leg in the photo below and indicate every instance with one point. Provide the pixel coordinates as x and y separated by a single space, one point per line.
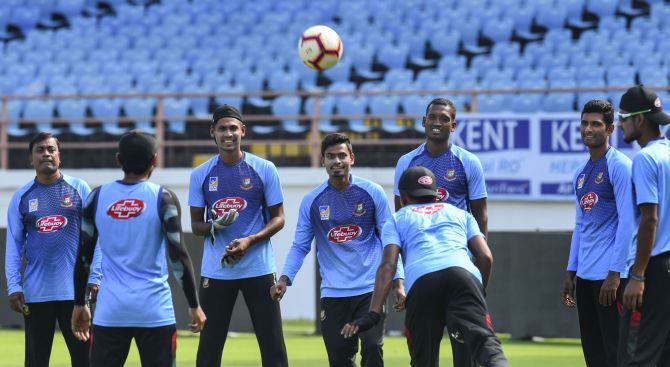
157 345
217 299
110 345
643 336
424 320
372 341
335 312
466 311
589 310
40 324
79 350
266 318
609 318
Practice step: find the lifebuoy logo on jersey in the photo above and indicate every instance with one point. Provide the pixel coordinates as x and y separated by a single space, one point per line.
50 223
428 209
224 205
588 201
126 208
442 194
344 234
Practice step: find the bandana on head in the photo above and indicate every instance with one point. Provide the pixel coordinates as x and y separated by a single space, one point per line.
226 111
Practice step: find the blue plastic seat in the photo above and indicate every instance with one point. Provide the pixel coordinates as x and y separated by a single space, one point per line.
552 17
386 107
14 111
445 42
233 100
74 111
526 102
326 105
394 57
414 106
175 111
498 31
353 107
341 72
25 17
289 107
558 102
107 111
283 81
140 110
653 76
602 8
491 103
41 111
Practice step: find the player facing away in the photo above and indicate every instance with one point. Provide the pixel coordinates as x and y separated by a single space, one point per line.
602 237
236 203
133 221
644 338
43 223
444 287
345 214
460 180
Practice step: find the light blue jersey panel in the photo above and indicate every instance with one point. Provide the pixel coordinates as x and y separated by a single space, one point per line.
251 186
431 237
459 174
135 290
604 226
651 180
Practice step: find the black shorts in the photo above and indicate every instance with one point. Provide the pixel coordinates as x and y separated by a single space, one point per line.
110 345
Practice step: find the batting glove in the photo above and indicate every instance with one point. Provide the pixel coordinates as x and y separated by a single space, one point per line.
219 223
367 321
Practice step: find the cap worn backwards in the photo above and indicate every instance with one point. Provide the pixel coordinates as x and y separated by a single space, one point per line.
418 181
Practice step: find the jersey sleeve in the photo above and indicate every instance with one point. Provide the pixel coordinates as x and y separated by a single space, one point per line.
620 176
400 167
88 238
196 198
390 235
302 242
645 179
475 174
180 261
95 277
574 242
273 191
16 239
471 227
383 215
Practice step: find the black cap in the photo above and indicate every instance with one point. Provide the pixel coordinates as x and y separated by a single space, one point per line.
226 110
418 181
137 148
640 98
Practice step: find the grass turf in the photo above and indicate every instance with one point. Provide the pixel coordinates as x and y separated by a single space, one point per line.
305 350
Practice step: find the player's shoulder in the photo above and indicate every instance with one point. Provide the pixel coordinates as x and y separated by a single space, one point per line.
463 154
259 163
365 184
205 166
407 157
21 191
315 192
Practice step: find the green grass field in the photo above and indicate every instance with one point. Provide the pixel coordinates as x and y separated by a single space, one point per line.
305 350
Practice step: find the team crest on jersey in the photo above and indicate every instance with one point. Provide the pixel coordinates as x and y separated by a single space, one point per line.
324 212
450 175
599 177
246 183
126 208
224 205
32 205
442 194
429 209
66 202
343 234
213 183
580 180
50 223
359 210
588 201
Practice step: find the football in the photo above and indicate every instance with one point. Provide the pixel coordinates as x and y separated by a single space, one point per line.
320 47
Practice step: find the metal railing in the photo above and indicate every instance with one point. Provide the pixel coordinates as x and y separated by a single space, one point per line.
313 141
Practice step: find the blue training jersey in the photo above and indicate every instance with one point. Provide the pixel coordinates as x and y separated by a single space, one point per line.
43 223
347 226
251 186
459 174
135 291
431 237
604 228
651 183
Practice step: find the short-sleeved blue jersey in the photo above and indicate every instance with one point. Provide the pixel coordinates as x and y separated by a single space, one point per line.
604 226
251 186
459 174
431 237
44 221
651 183
347 226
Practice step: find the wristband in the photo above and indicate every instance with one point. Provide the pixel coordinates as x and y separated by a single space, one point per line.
636 278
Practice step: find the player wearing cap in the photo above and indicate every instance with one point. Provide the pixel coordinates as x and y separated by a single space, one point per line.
460 180
444 287
645 323
43 223
133 221
236 203
345 214
602 237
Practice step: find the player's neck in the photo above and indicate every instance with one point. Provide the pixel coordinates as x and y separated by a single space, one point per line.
47 178
647 136
339 183
597 153
132 178
231 157
435 147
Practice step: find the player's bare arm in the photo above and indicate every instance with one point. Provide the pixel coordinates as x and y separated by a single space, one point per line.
483 257
198 224
383 279
646 236
180 261
480 212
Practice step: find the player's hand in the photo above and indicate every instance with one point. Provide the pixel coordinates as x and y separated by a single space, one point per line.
568 290
278 290
400 296
92 292
81 322
608 290
238 247
361 324
198 319
17 303
226 219
632 296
